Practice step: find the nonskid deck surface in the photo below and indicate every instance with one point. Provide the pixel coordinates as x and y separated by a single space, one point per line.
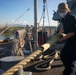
57 68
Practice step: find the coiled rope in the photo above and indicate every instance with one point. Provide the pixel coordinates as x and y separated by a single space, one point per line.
47 61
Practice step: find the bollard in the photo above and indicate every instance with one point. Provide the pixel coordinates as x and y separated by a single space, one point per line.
20 71
1 71
10 61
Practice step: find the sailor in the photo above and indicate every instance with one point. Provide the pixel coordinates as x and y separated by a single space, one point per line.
68 53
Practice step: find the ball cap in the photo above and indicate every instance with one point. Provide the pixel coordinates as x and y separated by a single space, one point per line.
63 6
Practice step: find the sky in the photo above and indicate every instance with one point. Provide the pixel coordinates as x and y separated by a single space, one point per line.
10 10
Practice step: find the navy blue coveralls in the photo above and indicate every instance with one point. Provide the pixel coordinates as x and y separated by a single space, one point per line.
68 53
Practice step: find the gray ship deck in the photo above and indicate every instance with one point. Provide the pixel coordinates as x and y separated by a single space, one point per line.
57 68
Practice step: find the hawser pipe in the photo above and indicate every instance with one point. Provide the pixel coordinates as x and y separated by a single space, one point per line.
24 62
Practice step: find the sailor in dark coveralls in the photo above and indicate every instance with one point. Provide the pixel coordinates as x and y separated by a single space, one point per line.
68 53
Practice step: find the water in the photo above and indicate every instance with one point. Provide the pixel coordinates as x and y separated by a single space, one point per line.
3 37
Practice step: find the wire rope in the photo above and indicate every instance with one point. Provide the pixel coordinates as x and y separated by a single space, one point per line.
16 20
40 18
47 13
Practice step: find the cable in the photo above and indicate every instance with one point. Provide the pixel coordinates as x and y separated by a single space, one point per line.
16 19
47 13
40 19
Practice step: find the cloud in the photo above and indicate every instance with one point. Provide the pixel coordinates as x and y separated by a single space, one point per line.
16 22
24 23
52 23
20 22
